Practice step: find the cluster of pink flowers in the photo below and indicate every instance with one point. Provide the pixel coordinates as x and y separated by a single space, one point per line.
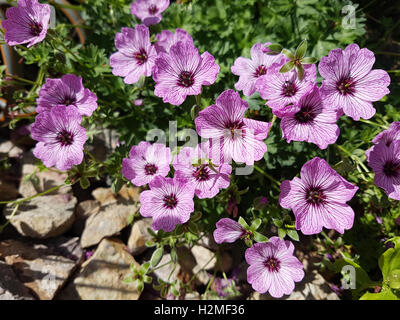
309 113
174 62
170 200
57 127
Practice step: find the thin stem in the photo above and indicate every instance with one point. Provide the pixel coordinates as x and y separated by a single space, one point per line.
17 202
9 219
374 124
64 46
272 123
271 178
327 238
352 156
21 79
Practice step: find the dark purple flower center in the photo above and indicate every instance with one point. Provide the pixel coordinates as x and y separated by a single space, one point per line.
35 28
186 79
272 264
141 56
315 195
305 115
260 71
392 168
234 126
68 100
202 173
289 89
170 201
153 9
346 86
65 138
150 169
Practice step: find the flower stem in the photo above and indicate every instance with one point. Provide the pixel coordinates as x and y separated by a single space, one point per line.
9 219
276 183
374 124
21 79
17 202
272 123
352 156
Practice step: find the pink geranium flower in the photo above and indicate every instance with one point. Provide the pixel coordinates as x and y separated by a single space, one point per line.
284 89
385 162
228 230
350 84
311 121
249 70
193 164
135 56
67 91
182 72
273 267
386 137
146 161
232 136
166 39
60 136
169 202
26 23
318 198
149 11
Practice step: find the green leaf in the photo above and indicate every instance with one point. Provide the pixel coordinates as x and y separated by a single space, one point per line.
174 255
394 279
175 291
255 224
193 228
390 261
293 234
147 279
144 268
139 285
385 294
308 60
243 223
84 182
300 72
275 47
287 67
156 257
128 279
301 50
288 54
260 237
281 233
117 185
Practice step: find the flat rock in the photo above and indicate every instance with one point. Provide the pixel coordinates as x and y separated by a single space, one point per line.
43 217
10 287
40 267
139 235
129 194
204 257
83 211
167 273
110 220
104 196
101 277
40 181
10 150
